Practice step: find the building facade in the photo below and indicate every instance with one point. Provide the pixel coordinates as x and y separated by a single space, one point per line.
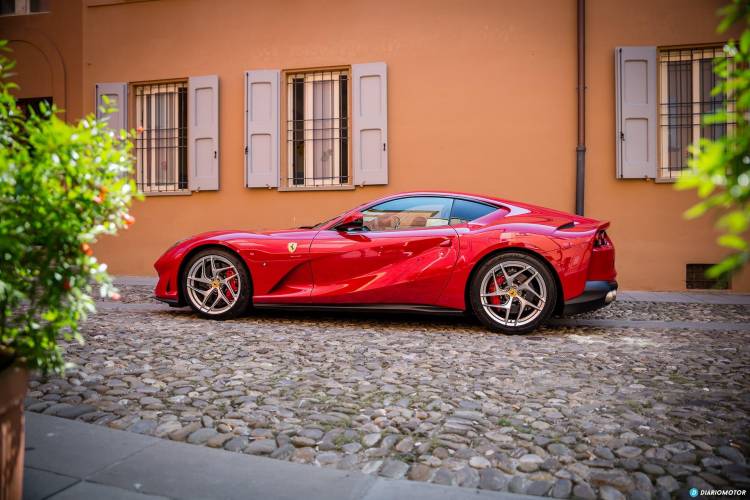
261 115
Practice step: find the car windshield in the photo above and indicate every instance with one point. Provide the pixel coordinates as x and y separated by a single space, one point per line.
320 224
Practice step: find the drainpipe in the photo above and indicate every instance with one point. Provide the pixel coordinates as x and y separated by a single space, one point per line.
581 148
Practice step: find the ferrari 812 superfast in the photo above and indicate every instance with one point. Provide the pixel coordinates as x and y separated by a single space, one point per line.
511 265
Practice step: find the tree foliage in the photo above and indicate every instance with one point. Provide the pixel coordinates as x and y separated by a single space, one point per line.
61 186
720 169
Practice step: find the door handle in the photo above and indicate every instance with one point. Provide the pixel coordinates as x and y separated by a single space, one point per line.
446 242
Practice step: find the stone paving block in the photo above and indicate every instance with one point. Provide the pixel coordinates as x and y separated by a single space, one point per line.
179 470
87 490
54 446
40 484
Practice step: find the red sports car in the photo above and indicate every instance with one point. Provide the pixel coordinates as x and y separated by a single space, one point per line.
512 264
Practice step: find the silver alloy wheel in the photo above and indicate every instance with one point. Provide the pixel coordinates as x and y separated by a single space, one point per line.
513 293
213 284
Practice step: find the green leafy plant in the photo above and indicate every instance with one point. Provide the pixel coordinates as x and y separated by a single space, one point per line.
61 186
720 169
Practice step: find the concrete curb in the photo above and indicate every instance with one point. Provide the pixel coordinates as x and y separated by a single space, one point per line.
653 324
686 297
66 459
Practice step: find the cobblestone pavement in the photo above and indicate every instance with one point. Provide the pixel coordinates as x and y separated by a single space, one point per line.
566 412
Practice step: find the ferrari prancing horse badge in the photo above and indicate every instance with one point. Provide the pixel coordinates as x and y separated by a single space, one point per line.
292 246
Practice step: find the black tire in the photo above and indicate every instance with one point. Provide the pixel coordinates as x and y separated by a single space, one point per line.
542 311
243 298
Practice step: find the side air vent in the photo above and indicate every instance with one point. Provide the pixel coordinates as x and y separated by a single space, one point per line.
696 279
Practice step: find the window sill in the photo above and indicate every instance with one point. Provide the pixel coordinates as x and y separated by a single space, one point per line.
665 180
21 14
343 187
182 192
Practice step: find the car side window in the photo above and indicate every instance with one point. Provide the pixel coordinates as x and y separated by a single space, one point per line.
465 211
409 213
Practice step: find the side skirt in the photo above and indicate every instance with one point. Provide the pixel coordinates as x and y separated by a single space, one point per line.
388 308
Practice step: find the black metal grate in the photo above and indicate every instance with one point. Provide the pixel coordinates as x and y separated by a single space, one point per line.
696 279
29 105
161 138
686 83
317 129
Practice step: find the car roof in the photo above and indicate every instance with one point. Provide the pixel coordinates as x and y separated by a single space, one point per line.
515 207
453 194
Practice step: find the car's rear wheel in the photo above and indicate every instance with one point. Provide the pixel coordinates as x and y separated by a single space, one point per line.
513 293
216 284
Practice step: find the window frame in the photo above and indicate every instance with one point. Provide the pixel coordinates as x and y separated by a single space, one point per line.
284 177
132 118
663 172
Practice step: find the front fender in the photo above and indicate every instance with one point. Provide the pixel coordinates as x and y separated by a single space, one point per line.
169 267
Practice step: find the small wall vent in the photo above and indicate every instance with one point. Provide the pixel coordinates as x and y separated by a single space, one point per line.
696 279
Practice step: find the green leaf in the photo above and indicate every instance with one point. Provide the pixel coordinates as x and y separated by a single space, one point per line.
732 241
745 41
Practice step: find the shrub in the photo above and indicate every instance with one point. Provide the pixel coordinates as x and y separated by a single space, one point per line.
720 169
61 186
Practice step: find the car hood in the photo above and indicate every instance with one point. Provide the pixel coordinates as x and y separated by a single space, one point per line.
229 234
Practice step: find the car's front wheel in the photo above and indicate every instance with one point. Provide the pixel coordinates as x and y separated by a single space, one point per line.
216 284
513 293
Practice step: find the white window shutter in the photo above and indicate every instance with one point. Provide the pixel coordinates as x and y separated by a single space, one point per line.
203 133
635 90
117 93
370 123
262 128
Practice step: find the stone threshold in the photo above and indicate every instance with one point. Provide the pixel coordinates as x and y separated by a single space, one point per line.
66 459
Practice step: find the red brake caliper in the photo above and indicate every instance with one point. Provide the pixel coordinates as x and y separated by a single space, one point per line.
496 300
232 281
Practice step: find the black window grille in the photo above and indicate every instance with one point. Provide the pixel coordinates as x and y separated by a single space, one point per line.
13 7
29 105
317 129
686 83
696 279
161 138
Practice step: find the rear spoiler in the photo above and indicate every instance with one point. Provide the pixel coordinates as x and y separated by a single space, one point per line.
583 226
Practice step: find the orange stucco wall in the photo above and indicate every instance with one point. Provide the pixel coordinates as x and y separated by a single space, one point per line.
481 98
48 52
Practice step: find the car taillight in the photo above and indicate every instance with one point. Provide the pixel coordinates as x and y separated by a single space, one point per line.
602 240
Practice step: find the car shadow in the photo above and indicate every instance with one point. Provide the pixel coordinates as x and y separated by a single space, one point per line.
383 318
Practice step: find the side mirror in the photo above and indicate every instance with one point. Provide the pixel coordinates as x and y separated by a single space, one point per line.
351 222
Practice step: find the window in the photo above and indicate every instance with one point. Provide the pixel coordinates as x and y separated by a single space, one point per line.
160 111
408 213
686 81
464 211
317 128
21 7
322 129
29 105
